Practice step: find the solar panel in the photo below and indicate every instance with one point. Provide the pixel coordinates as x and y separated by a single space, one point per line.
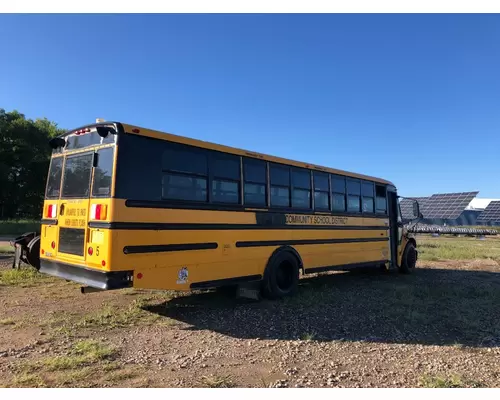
446 205
490 213
407 206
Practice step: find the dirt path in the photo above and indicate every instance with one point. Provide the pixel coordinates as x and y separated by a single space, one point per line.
437 327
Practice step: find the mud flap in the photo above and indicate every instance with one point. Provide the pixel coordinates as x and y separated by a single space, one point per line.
27 247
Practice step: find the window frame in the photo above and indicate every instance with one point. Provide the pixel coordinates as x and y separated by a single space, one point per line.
350 193
333 192
365 196
328 191
212 157
294 187
98 155
250 181
172 146
379 210
288 187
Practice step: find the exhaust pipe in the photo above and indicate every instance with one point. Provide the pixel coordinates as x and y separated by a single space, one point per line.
89 289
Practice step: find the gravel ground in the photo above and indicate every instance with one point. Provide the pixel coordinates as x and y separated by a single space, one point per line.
437 327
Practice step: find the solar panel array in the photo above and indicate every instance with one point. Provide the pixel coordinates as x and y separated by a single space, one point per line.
446 205
407 206
490 213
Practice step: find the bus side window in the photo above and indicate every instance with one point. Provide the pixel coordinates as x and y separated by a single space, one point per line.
353 195
185 174
367 199
225 178
301 188
380 199
321 191
255 182
280 185
338 193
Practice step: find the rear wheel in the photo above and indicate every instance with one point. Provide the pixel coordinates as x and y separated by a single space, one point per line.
281 277
409 260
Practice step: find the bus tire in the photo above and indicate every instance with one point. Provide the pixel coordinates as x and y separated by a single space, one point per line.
409 259
281 277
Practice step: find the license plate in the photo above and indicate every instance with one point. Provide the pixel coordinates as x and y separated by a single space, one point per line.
97 237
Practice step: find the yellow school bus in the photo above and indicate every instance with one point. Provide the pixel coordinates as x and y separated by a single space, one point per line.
127 206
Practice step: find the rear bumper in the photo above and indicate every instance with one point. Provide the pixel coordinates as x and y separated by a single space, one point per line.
86 276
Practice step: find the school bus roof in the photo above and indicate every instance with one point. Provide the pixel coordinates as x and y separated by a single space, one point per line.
136 130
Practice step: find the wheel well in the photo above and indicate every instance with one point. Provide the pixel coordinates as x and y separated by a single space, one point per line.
412 241
291 250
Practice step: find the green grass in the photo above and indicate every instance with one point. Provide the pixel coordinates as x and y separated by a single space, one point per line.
215 381
15 228
83 353
114 317
435 249
454 381
308 336
28 380
85 363
24 277
6 249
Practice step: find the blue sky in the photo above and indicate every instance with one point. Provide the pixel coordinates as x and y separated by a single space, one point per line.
411 98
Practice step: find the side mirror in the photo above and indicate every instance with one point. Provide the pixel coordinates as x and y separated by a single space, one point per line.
416 209
57 142
103 131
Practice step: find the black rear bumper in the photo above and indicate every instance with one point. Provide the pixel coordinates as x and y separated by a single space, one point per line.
86 276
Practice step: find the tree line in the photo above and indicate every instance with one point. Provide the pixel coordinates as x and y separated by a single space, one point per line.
24 163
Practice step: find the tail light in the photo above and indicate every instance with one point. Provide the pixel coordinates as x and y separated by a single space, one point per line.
98 211
82 131
51 211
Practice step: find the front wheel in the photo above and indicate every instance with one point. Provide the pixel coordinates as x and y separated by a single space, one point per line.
409 260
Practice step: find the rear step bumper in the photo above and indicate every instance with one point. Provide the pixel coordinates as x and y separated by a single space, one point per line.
90 277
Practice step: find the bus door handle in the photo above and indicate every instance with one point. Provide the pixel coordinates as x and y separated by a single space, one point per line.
61 211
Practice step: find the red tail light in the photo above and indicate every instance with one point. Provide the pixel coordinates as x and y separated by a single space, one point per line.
98 211
90 251
82 131
51 211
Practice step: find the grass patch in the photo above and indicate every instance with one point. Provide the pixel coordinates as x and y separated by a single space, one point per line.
113 317
7 321
24 277
454 381
28 380
15 228
308 336
458 249
6 249
215 381
83 353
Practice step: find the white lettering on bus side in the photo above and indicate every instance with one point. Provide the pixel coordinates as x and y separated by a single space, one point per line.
291 219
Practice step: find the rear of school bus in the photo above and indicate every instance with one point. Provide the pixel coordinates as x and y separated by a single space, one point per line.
79 191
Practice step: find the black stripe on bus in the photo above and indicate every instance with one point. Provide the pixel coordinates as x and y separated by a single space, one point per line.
161 248
224 282
154 226
48 222
261 243
345 267
241 208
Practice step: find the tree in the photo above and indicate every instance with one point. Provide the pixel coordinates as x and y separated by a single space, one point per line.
24 163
